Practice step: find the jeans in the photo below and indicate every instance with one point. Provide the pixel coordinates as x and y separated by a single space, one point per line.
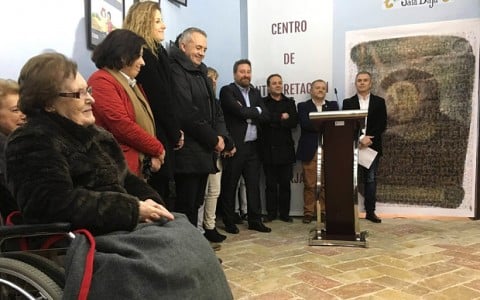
369 177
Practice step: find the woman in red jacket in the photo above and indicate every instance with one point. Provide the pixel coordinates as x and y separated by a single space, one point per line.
121 106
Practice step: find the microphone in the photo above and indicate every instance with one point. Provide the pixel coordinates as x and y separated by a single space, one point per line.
335 91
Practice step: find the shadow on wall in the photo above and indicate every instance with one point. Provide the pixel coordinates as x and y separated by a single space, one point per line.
81 54
427 83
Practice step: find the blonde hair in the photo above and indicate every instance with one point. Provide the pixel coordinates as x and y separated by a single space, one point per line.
8 87
140 19
212 73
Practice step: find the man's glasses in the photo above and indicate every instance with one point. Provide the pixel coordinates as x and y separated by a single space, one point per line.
77 95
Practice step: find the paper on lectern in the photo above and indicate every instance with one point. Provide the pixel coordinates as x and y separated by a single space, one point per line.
366 156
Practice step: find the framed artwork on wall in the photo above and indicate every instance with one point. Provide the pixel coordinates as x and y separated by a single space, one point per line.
182 2
102 16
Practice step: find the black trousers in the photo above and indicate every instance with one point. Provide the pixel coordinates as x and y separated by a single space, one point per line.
245 162
190 190
162 185
277 189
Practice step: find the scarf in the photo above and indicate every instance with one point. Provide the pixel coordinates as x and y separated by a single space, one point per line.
143 113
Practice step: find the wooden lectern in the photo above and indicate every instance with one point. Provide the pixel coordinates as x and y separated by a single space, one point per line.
337 149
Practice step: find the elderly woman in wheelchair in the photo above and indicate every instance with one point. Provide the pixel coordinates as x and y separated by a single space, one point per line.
60 167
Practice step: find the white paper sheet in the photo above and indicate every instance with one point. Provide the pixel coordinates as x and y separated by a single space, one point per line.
366 156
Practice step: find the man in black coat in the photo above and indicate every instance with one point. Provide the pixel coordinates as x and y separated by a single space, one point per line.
243 108
278 149
205 132
376 123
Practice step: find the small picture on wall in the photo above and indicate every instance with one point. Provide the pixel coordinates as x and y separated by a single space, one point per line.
182 2
102 17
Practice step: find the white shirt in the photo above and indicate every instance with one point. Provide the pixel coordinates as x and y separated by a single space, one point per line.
131 82
364 105
251 134
364 101
319 105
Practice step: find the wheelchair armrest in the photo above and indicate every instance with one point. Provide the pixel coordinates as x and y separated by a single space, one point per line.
33 229
17 233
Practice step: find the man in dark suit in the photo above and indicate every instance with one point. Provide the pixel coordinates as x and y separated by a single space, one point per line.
243 108
278 149
308 145
376 123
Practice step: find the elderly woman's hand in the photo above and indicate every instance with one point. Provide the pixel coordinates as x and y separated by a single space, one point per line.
151 211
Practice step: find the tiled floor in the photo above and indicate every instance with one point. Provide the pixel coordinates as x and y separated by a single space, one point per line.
407 258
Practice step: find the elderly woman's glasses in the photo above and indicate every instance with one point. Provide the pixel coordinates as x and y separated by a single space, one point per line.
78 95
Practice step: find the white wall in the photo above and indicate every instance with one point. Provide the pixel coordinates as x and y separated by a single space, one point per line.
221 20
31 27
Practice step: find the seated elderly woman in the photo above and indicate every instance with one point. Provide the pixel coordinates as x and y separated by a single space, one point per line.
61 167
120 104
10 118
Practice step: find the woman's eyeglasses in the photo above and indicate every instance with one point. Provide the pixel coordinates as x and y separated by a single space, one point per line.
77 95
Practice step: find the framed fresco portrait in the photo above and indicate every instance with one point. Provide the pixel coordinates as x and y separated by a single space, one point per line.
102 16
426 73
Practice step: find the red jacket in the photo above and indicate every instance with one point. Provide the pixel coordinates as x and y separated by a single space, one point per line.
114 111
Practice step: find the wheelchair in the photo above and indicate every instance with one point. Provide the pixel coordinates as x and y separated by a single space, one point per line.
30 260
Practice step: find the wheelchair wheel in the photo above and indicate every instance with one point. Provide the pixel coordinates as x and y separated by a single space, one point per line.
47 266
19 280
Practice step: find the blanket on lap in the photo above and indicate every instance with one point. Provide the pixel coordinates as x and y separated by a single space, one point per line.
155 261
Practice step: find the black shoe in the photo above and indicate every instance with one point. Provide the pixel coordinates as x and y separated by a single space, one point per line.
373 218
216 246
244 216
258 226
237 219
286 219
213 236
231 228
268 218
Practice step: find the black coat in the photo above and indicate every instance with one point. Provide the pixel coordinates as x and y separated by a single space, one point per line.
7 203
236 111
376 119
276 135
59 171
156 80
200 116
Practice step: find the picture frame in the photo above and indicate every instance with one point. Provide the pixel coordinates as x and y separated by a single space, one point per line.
102 16
181 2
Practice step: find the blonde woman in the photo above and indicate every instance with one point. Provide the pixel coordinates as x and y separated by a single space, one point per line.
145 19
10 118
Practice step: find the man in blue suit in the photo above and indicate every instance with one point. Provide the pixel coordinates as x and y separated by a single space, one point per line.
371 136
308 145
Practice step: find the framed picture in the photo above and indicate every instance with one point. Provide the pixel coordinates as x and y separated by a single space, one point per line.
182 2
102 16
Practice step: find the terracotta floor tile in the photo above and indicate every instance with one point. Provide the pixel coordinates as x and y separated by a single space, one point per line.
407 258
